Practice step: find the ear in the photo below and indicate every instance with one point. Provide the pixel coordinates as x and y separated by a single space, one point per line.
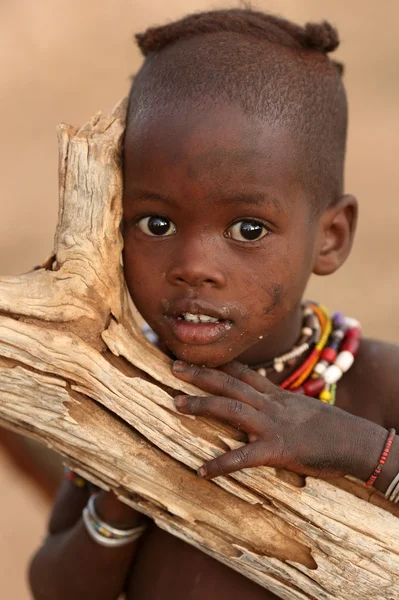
337 228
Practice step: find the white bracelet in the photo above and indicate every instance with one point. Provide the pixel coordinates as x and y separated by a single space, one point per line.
392 493
105 534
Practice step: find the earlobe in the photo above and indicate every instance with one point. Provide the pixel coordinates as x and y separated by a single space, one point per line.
335 238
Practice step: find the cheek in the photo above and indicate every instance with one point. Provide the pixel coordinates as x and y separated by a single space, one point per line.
143 281
277 281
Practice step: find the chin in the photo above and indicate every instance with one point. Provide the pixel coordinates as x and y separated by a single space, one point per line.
203 356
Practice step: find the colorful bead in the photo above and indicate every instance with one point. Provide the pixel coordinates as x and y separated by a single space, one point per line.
313 387
320 367
333 391
329 354
278 366
354 333
325 396
351 345
344 361
338 335
299 390
335 342
352 323
338 320
332 374
76 479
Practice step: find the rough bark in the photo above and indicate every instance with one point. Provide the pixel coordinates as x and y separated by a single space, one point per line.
77 374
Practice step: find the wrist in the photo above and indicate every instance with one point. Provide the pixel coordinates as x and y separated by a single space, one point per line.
390 468
116 513
369 444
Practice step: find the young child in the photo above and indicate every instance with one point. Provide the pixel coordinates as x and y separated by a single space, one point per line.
233 164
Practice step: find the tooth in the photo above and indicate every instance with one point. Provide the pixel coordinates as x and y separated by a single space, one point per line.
191 318
200 318
207 319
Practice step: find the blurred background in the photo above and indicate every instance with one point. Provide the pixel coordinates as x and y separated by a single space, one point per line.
63 61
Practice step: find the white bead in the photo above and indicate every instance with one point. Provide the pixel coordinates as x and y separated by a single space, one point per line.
278 366
307 330
332 374
352 323
262 372
321 367
344 360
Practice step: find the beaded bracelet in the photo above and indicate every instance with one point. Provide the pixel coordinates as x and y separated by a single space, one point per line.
383 458
74 478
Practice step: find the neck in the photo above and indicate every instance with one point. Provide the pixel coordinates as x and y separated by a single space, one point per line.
276 343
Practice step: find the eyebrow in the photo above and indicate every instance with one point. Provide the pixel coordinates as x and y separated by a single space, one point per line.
249 198
143 195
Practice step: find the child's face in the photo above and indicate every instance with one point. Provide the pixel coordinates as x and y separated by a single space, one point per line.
217 222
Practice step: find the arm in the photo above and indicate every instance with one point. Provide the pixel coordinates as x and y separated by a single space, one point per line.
70 564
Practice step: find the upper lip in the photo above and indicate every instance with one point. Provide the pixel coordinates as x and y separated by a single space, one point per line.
196 307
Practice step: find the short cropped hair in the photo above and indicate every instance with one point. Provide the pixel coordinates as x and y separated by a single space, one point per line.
269 67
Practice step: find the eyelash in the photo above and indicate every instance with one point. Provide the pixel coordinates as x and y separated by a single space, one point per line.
146 219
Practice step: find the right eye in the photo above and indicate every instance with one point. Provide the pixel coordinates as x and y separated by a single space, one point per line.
156 226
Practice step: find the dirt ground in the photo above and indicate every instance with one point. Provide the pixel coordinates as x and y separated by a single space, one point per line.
63 61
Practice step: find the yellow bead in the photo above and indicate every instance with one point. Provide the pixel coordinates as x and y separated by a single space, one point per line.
325 396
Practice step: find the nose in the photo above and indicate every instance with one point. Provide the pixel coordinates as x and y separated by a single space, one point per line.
196 264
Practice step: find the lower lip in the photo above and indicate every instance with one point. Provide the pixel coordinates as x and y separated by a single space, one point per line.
199 333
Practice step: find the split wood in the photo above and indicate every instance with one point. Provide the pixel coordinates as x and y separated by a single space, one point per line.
77 374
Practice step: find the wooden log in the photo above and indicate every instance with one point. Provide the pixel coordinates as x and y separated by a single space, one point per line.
77 374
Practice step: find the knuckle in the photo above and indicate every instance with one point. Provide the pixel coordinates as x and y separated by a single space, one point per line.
245 370
194 403
234 407
231 384
197 372
241 455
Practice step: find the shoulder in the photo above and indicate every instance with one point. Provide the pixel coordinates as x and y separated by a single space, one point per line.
371 388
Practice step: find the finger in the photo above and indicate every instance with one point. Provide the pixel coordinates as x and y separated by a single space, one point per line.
232 411
218 383
247 375
250 455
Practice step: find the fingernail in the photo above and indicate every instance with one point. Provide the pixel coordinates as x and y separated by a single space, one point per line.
201 471
180 401
179 366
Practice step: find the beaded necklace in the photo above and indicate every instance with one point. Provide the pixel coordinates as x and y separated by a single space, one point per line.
333 343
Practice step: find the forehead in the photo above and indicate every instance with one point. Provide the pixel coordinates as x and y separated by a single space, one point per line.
215 146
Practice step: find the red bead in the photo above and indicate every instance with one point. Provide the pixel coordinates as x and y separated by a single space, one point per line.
313 387
299 390
354 333
351 345
329 354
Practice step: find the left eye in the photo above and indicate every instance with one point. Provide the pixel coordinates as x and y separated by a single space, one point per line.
247 231
157 226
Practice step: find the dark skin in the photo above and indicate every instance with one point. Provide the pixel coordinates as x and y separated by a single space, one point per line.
203 176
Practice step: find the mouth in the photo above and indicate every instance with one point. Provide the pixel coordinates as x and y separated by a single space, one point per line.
194 322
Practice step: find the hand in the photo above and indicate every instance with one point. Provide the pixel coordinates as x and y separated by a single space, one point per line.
286 430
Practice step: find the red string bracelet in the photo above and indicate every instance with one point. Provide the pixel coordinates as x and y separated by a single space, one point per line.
383 458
